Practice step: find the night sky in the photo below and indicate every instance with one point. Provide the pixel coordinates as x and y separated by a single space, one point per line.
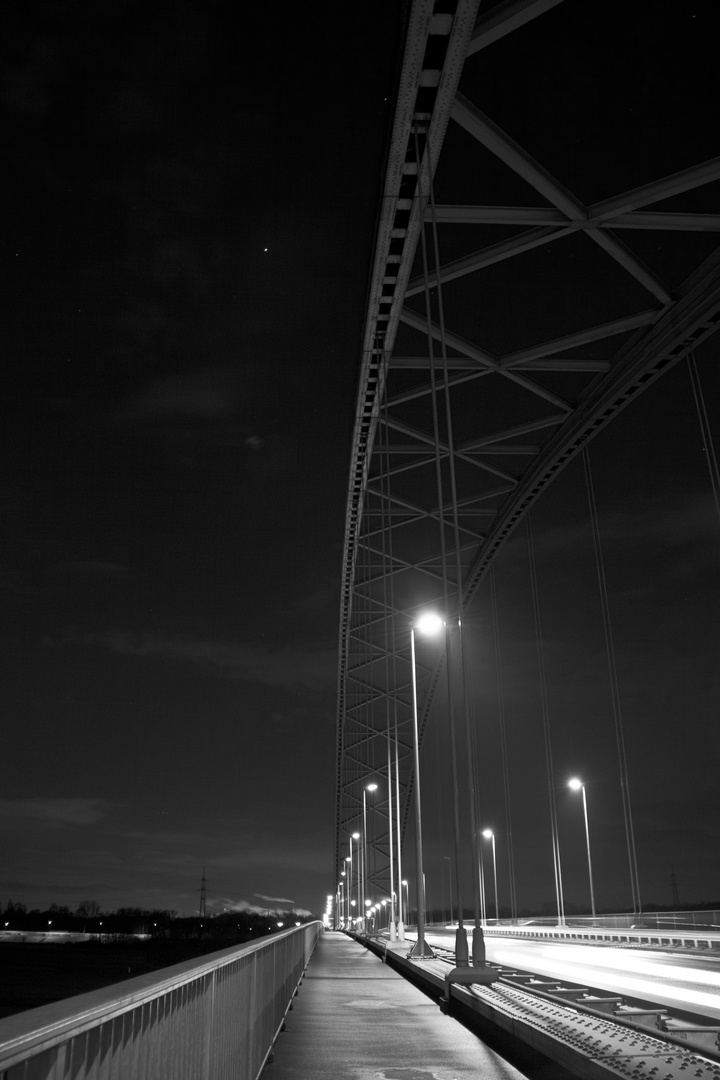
190 203
190 199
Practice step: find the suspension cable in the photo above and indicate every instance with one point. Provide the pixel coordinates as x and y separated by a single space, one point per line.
503 744
441 518
546 724
385 526
614 685
708 443
478 891
393 630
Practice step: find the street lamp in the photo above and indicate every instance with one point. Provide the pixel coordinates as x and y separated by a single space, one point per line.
490 835
355 836
426 624
349 860
348 890
368 787
577 785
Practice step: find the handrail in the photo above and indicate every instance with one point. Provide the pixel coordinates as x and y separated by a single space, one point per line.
210 1019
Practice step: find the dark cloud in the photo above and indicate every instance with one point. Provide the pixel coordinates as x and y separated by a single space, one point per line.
206 392
53 812
287 667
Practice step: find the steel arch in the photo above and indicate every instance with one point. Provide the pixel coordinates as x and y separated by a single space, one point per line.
553 323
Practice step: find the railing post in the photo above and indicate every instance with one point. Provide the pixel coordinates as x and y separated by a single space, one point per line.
208 1026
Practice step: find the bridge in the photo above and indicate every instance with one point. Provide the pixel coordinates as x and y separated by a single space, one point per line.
547 256
545 283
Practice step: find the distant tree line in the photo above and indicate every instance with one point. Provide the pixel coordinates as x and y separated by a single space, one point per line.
89 918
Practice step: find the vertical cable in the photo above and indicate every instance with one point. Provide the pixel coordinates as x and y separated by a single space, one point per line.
393 635
469 734
503 745
708 444
614 685
443 554
546 725
385 526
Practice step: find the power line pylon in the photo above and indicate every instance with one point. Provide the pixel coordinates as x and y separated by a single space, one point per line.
203 907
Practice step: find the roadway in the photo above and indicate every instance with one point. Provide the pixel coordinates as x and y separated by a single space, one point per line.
677 980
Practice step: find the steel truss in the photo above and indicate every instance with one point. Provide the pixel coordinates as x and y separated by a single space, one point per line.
555 315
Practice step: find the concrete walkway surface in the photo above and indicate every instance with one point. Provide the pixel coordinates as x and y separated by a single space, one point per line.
357 1019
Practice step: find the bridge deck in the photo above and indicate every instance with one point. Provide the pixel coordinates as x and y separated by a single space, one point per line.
358 1019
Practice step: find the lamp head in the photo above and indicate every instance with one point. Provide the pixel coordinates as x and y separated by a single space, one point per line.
371 787
356 836
575 784
488 834
429 624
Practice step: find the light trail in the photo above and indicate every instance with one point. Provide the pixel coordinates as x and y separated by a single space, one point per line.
676 981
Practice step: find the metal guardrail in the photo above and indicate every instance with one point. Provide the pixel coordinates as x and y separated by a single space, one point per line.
216 1019
703 920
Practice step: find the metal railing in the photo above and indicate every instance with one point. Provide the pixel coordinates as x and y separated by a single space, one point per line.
213 1019
704 920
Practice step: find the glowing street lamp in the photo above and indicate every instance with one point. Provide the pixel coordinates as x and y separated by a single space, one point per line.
429 624
348 890
368 787
577 785
490 835
356 836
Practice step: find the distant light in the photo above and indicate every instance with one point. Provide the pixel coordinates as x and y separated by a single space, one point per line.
575 784
429 624
281 924
297 923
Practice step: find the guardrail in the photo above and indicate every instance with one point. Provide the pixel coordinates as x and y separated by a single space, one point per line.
667 921
689 939
213 1019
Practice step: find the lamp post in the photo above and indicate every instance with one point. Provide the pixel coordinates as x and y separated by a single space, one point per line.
577 785
348 889
355 836
490 835
404 885
427 624
368 787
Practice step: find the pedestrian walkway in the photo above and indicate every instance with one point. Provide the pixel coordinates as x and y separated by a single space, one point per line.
355 1018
